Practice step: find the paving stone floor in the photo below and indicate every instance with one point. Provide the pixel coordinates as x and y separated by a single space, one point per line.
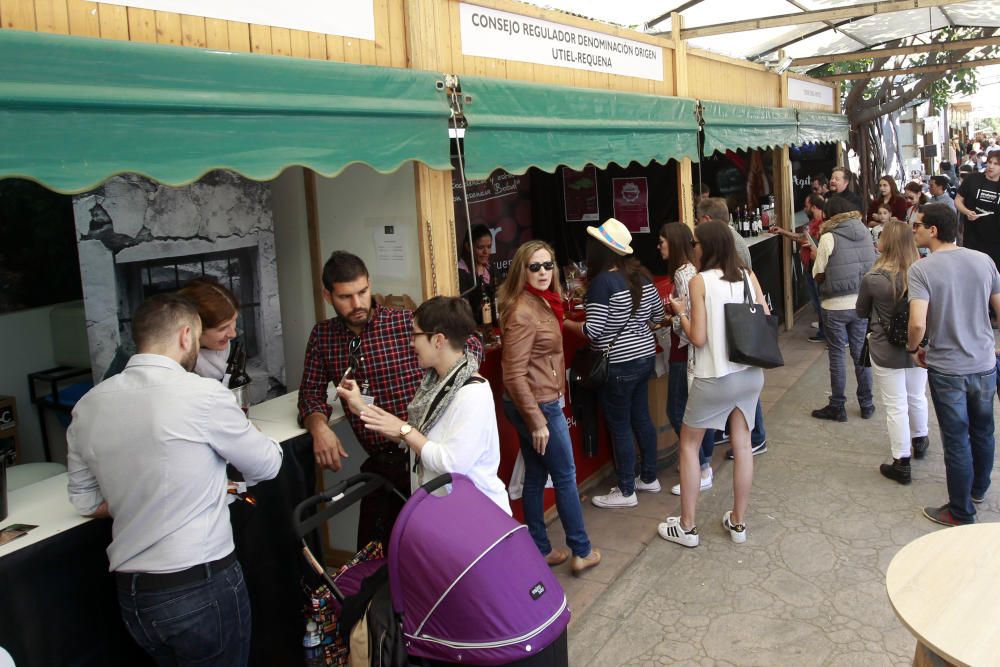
808 587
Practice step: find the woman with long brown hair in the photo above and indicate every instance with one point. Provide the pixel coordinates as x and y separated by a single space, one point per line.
888 195
534 376
722 392
622 304
218 309
915 198
902 384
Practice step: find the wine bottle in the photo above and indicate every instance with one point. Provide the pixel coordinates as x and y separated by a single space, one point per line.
239 376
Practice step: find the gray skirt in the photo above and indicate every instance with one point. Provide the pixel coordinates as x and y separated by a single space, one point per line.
712 400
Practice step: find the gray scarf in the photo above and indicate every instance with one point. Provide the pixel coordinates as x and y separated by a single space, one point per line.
436 393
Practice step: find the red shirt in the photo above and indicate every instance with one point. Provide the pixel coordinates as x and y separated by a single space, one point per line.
897 205
665 286
387 369
813 229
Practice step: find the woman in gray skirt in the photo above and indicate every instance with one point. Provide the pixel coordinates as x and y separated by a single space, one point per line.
722 392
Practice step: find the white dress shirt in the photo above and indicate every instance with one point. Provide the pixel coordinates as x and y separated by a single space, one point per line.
153 442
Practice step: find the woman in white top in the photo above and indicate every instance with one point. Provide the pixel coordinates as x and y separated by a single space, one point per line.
452 423
722 392
218 310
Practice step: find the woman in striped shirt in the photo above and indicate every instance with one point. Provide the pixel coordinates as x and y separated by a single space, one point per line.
622 302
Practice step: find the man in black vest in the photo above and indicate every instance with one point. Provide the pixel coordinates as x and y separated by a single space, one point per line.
845 254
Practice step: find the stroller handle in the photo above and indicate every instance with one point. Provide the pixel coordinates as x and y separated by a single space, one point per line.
437 483
341 496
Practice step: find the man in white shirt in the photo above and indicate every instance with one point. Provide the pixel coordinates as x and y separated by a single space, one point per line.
148 448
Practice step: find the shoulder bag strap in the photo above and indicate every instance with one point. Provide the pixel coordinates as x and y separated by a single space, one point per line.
747 292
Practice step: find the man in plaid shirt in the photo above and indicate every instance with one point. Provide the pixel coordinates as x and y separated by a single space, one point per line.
371 344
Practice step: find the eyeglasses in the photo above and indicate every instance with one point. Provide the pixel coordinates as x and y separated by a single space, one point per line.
917 223
535 267
429 334
694 243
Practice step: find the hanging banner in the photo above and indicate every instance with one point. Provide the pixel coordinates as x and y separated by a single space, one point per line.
632 203
490 33
349 18
580 194
502 202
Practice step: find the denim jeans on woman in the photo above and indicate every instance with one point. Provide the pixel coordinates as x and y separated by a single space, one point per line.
964 408
558 463
845 329
677 398
203 623
625 399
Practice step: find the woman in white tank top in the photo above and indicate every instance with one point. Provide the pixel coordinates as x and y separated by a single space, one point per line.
722 392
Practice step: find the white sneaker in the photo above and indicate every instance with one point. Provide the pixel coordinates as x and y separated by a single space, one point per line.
814 325
651 487
671 531
706 484
737 532
615 498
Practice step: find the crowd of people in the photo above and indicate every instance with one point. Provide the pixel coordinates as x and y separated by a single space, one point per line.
914 300
149 446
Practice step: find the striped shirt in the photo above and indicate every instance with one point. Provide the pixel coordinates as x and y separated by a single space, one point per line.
609 309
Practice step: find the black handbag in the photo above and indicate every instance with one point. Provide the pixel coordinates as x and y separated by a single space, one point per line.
751 335
590 367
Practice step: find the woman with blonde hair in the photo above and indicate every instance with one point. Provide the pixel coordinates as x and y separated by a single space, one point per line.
902 384
534 376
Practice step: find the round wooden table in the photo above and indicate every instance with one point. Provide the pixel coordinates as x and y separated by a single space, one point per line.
945 587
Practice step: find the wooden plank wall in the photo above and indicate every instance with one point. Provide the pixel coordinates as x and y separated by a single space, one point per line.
722 79
449 43
95 19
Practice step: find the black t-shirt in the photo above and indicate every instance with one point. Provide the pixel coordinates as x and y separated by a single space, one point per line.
983 196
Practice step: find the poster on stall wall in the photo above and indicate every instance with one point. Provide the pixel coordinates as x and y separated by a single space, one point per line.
580 194
632 202
502 202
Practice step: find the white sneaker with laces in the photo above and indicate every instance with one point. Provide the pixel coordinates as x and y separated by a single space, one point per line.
706 484
671 531
650 487
737 532
615 498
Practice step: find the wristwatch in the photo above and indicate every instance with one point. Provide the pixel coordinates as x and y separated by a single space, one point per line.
914 350
404 431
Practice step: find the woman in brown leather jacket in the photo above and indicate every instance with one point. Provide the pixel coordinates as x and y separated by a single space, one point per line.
534 375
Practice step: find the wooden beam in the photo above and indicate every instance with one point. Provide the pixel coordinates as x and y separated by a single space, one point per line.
900 51
922 69
315 245
676 10
819 15
685 178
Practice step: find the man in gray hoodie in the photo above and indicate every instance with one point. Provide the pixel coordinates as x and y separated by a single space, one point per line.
844 255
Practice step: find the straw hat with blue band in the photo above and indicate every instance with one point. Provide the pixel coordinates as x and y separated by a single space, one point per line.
614 235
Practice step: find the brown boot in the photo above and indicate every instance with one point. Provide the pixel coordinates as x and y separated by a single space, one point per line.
581 564
557 557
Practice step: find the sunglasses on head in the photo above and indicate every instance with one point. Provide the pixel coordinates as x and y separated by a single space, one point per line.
535 267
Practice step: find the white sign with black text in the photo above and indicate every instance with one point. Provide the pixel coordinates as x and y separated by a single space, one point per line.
348 18
807 91
489 33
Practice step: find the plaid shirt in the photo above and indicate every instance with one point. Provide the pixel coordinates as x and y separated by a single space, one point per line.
387 368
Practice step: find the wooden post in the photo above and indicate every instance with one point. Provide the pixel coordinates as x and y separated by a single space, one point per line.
836 109
315 252
685 179
427 37
785 204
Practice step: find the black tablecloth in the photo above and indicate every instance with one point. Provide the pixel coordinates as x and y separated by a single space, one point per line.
59 606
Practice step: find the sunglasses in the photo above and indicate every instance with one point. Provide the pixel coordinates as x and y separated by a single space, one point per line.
535 267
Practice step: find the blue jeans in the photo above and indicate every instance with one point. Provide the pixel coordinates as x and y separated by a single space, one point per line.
844 328
813 290
625 399
964 408
202 623
677 398
557 463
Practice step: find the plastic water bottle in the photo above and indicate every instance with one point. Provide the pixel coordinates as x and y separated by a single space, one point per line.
311 643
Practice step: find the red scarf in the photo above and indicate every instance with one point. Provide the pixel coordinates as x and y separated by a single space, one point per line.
551 298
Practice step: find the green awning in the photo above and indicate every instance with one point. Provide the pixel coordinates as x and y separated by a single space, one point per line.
514 126
819 127
75 111
739 127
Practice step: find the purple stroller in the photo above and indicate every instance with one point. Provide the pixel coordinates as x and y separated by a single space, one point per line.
467 583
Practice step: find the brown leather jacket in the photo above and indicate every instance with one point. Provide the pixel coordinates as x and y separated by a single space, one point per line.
534 368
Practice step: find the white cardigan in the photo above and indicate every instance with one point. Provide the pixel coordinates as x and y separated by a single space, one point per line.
465 440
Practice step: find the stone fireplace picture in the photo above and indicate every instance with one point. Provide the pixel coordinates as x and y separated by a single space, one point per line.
137 238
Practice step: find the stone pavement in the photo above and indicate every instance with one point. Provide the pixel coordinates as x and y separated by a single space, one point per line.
808 587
